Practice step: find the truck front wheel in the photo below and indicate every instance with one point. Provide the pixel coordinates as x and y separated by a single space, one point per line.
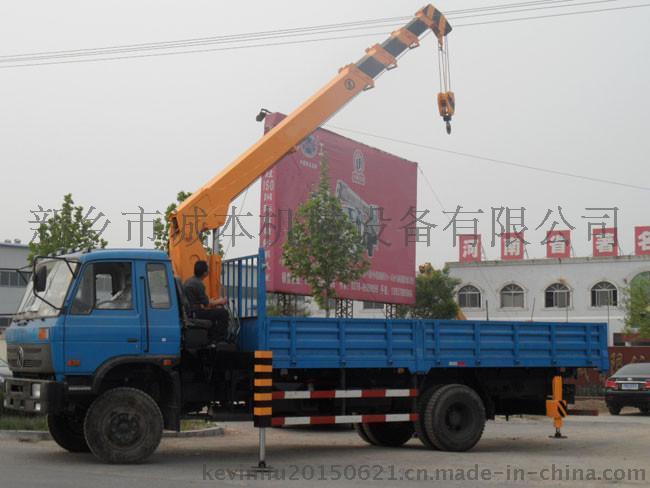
123 426
454 418
67 430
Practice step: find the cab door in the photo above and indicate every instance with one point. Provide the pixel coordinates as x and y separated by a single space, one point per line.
104 319
161 313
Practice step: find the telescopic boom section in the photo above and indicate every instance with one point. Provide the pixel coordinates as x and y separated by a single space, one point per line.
207 208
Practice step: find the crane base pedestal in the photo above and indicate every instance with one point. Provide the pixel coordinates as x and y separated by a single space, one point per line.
557 435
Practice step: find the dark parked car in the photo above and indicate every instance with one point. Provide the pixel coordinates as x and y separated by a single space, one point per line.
5 372
629 387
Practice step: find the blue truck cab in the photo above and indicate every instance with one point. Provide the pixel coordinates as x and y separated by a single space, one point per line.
98 309
104 344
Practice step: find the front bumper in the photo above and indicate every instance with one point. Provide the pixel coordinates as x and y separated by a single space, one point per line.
33 396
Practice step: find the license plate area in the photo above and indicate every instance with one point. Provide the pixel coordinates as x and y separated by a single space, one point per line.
629 386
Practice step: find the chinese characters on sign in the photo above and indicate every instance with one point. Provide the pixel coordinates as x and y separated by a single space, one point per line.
469 248
605 242
513 246
558 244
642 240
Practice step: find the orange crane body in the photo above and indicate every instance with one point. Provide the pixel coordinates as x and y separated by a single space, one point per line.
207 209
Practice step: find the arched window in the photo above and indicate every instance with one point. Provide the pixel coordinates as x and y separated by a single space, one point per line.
469 297
604 294
512 296
557 296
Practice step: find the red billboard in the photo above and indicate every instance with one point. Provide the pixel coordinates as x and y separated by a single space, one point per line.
376 189
512 246
605 242
642 241
469 248
558 244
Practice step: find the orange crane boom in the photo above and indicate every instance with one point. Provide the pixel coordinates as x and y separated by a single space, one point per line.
207 208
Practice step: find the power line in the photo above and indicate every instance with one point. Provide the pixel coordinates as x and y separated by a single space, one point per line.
564 14
236 47
497 161
256 35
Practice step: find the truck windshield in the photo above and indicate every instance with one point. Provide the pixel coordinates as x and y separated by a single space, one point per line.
59 277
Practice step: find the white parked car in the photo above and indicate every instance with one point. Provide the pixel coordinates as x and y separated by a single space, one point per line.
5 372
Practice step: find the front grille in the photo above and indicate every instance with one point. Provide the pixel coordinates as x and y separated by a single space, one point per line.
35 358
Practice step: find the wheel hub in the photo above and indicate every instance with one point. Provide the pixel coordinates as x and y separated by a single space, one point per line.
455 418
124 429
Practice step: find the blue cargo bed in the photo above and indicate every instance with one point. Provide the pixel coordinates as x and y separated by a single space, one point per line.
420 345
417 345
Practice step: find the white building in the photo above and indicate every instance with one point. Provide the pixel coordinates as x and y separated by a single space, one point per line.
573 289
13 255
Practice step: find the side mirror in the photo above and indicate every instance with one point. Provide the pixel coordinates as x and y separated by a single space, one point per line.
40 279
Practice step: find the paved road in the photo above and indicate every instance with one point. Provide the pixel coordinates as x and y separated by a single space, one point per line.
319 457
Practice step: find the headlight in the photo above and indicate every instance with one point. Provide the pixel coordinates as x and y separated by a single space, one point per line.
36 390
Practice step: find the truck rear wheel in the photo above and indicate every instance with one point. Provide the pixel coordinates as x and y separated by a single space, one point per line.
389 434
67 430
454 418
362 433
420 431
123 426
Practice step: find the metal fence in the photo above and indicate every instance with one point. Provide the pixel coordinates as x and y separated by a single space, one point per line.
243 283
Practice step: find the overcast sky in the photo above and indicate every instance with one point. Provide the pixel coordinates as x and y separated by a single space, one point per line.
566 93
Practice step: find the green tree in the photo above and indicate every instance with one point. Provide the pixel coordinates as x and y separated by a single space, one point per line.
637 305
290 306
434 295
68 228
161 228
324 246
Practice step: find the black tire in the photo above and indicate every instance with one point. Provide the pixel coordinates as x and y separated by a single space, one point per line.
454 418
645 410
123 426
67 430
389 434
420 431
614 409
362 433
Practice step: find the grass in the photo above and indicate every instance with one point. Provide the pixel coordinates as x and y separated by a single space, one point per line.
20 422
195 425
17 422
10 420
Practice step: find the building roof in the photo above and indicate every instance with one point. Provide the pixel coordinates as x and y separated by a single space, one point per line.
548 261
14 244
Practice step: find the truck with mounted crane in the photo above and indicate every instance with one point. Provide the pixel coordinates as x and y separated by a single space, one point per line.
105 345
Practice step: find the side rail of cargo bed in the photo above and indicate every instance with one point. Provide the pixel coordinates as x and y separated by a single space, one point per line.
420 345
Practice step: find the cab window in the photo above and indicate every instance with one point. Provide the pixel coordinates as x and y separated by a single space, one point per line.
104 286
158 285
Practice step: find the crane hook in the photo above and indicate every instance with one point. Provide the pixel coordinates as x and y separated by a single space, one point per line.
446 108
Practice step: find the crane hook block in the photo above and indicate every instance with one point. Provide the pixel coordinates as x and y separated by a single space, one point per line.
447 107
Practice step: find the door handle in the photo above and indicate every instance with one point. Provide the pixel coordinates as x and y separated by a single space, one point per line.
131 339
